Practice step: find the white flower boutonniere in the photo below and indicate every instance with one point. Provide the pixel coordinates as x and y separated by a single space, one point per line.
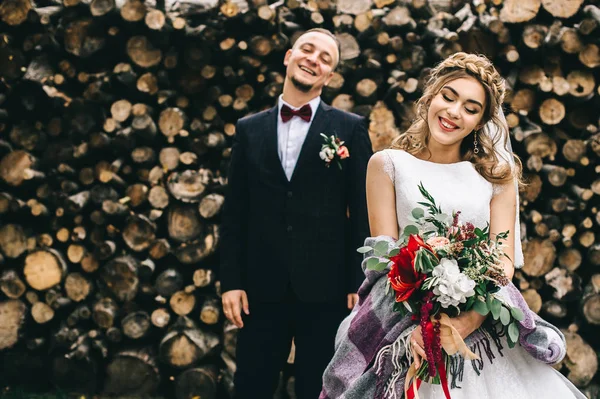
333 150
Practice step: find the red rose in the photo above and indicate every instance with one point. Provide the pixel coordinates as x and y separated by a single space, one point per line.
343 152
405 280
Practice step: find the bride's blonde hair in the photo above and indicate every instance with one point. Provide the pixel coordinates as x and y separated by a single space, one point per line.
488 162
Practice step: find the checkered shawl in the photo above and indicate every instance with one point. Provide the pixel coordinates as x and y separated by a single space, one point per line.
370 359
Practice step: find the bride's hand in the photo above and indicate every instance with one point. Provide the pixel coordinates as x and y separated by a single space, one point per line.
467 322
417 345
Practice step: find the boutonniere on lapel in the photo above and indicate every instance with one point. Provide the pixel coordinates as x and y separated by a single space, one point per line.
333 149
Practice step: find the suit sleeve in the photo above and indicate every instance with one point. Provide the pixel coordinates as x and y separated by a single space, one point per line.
234 222
360 152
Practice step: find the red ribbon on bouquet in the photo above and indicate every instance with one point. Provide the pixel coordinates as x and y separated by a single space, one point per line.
431 338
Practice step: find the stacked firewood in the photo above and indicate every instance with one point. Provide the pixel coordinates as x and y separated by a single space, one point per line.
116 122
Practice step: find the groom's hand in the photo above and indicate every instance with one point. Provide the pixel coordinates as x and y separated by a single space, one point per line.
352 300
233 303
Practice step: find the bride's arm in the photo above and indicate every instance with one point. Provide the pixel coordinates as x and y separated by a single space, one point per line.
503 211
381 198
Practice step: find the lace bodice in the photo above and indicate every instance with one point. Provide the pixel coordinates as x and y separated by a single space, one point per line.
455 187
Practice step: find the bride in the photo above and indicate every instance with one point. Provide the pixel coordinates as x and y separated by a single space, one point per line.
458 147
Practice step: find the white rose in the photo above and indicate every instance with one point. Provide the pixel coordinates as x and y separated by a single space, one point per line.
453 287
329 153
323 155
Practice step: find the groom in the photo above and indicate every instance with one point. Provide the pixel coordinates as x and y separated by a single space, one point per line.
291 225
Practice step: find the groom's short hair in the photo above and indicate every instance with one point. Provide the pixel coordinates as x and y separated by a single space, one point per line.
331 35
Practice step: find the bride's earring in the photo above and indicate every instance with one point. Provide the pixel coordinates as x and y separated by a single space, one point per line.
475 143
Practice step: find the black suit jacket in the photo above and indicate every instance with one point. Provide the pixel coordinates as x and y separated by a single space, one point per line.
302 232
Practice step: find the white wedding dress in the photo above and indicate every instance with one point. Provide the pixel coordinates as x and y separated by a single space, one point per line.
515 374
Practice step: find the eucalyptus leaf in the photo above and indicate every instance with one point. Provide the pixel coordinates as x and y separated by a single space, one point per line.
513 331
394 252
418 213
410 229
496 308
364 250
371 263
380 266
504 316
517 314
381 248
481 308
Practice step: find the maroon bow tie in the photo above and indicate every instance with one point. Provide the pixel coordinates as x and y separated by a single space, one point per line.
287 113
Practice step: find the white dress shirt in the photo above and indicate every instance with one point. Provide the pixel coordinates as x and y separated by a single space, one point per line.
291 135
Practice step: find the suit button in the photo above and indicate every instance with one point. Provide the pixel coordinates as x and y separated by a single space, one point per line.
289 229
289 194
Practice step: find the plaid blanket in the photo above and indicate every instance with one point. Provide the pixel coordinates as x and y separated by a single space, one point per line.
370 359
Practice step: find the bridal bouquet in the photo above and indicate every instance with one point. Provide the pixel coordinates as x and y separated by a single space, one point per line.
442 267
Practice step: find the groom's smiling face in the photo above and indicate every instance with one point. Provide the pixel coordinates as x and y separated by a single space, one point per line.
310 63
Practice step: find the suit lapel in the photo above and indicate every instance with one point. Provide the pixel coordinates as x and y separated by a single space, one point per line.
271 155
313 142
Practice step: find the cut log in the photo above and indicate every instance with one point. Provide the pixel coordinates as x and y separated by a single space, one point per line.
77 287
139 233
159 249
160 317
182 302
13 241
539 256
75 253
590 55
188 186
44 269
42 313
168 282
184 223
516 11
581 84
136 324
11 284
533 299
185 344
99 8
158 197
195 251
211 311
570 259
562 9
14 12
230 334
534 35
552 111
132 373
581 359
203 278
120 277
567 285
105 313
142 52
133 11
171 122
15 167
590 301
557 175
197 382
12 316
554 309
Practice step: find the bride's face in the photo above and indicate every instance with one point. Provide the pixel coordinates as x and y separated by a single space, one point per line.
455 111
